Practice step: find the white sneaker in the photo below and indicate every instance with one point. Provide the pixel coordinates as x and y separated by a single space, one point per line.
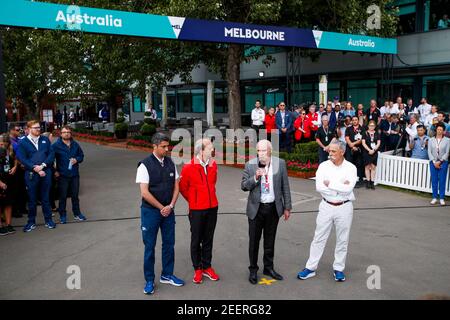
434 201
442 202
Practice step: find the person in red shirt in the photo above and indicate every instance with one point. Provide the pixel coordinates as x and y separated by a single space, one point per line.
302 128
314 121
198 186
270 123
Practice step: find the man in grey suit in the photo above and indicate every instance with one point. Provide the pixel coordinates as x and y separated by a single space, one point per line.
269 199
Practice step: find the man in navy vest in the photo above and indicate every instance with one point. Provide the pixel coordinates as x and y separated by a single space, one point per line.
68 155
159 185
285 126
36 154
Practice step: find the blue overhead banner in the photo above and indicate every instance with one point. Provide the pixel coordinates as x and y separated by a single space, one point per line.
31 14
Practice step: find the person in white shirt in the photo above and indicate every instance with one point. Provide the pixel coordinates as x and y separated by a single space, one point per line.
335 181
411 129
384 108
398 105
433 114
423 109
258 116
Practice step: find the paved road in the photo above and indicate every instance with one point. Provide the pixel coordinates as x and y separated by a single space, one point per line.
411 245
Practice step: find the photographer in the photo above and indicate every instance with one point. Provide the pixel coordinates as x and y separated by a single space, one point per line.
411 130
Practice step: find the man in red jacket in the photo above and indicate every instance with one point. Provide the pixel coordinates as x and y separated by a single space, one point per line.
198 187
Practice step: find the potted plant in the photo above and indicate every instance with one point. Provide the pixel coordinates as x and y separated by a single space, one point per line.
121 127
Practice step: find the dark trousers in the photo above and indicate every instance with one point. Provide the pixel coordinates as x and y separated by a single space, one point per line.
266 220
34 185
203 225
64 185
323 156
285 141
20 200
151 222
357 159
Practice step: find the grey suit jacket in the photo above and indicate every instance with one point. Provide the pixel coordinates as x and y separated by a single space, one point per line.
444 148
280 185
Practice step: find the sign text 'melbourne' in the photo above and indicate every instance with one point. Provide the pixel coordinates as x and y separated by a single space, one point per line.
254 34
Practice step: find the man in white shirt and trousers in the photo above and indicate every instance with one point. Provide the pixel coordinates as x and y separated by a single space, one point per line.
335 180
258 116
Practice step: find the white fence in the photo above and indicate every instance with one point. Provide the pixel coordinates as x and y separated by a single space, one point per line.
407 173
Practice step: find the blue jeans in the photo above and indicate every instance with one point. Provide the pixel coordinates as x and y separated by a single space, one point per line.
35 184
151 221
438 178
64 185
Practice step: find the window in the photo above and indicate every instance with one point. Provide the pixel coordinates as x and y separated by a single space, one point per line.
138 105
437 14
252 93
437 90
220 100
407 16
191 100
361 91
184 101
305 95
198 100
273 96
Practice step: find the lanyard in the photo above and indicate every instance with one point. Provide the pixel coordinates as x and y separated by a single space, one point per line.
438 144
36 144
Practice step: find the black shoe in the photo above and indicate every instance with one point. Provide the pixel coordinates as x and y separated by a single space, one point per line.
3 231
372 185
368 184
253 278
358 184
10 229
272 273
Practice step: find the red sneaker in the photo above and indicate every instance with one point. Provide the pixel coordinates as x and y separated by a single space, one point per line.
198 276
211 274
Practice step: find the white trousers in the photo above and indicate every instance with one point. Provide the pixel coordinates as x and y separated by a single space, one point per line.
329 215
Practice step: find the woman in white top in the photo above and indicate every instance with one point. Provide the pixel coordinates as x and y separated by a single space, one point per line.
438 149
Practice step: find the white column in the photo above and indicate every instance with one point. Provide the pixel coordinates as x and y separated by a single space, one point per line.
323 89
148 96
164 107
210 104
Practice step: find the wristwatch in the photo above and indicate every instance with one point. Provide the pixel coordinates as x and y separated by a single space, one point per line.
44 165
171 206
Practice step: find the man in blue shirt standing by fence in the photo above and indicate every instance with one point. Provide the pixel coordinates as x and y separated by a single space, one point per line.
69 155
36 154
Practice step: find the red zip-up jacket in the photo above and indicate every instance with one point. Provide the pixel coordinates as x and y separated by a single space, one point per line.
199 189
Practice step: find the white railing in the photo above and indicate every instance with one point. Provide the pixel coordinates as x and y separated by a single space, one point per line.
407 173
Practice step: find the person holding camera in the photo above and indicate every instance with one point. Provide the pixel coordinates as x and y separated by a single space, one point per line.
419 144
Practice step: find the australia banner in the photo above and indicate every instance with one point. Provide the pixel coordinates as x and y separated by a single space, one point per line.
32 14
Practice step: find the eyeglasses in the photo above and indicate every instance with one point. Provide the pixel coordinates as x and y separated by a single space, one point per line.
66 132
36 128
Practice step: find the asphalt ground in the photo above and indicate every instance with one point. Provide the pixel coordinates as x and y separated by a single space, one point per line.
394 232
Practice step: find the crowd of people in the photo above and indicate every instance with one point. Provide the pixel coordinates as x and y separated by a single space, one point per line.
33 171
421 131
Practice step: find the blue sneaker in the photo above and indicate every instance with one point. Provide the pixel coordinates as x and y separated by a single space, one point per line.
149 288
79 217
306 274
63 219
29 227
171 280
50 224
339 276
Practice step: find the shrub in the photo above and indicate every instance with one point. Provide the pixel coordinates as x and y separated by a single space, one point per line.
309 147
148 129
121 126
